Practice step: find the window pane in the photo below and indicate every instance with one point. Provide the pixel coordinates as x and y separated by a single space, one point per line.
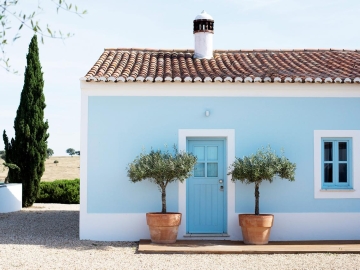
342 151
343 173
199 152
328 173
212 170
328 149
212 153
199 170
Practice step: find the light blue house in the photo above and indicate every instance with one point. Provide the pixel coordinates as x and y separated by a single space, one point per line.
222 104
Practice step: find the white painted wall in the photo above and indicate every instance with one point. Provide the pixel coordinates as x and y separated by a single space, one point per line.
219 89
10 198
287 226
203 45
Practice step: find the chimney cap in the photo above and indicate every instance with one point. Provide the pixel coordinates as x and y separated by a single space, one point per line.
203 16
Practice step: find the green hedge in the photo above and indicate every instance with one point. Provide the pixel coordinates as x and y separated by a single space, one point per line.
59 191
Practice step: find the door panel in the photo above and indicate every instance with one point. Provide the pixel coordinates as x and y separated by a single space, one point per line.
205 191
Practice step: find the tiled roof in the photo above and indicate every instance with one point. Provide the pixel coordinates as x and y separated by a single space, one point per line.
148 65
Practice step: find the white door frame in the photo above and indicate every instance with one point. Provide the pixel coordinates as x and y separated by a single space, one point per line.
229 135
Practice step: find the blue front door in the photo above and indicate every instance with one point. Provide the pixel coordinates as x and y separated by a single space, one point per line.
206 187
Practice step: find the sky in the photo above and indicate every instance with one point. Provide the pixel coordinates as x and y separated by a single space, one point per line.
239 24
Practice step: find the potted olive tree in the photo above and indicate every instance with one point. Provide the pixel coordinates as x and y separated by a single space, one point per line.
162 168
264 165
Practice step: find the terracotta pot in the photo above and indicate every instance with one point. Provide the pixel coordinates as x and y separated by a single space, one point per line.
256 228
163 227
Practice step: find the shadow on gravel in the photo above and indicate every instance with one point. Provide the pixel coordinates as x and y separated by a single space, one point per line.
49 228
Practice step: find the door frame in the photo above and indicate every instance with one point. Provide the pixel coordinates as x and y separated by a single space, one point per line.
229 148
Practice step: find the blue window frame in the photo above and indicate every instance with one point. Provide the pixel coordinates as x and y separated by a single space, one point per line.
336 163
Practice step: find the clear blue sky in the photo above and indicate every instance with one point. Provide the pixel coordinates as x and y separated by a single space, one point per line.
239 24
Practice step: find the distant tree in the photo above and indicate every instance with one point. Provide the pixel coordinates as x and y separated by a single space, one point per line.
56 162
49 152
28 149
77 153
2 154
70 151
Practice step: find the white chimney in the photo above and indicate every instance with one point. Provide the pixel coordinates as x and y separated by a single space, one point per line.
203 32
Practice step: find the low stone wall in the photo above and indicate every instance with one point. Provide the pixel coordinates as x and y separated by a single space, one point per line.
10 198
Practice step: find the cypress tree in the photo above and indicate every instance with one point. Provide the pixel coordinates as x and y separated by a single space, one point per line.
28 149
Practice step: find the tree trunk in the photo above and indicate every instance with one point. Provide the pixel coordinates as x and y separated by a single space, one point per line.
163 199
257 195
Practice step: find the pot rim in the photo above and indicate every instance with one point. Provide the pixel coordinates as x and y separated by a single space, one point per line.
160 213
260 215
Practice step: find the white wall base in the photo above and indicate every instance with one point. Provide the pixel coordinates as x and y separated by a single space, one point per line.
287 226
113 227
316 226
10 198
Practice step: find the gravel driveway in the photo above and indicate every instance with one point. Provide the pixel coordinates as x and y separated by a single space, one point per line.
45 236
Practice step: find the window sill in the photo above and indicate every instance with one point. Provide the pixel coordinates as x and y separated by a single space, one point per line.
337 190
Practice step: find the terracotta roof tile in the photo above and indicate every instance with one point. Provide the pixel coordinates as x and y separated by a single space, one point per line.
137 66
160 67
152 69
176 66
190 64
183 67
298 65
145 66
124 58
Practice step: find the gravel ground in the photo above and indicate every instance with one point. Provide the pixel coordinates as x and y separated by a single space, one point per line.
45 236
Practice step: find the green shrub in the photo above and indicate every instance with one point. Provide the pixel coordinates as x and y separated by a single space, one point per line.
59 191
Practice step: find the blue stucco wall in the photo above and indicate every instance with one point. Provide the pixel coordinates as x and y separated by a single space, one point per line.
120 127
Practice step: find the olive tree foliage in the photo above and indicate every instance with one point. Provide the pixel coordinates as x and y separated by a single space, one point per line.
13 17
265 165
162 168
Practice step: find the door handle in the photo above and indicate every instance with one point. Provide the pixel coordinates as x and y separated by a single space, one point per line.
221 181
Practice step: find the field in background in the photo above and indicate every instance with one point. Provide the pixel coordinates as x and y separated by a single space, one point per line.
67 168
